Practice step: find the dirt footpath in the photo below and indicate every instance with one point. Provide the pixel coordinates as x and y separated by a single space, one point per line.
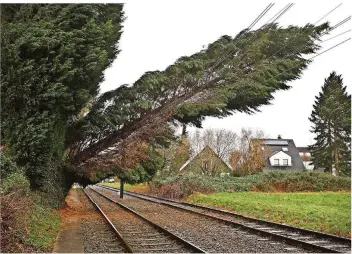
70 237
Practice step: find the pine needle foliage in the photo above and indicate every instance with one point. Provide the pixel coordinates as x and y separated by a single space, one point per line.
52 62
53 57
261 62
331 119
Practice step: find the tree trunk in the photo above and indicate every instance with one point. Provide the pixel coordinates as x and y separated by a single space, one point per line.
121 187
331 163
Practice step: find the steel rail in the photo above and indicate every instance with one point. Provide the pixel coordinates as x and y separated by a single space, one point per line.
290 240
187 244
125 244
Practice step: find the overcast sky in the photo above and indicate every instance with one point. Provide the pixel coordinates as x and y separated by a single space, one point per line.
157 33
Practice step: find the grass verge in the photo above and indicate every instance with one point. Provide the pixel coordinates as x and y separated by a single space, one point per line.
322 211
27 223
131 187
43 227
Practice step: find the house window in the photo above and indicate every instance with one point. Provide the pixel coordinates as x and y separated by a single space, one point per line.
285 162
206 165
276 162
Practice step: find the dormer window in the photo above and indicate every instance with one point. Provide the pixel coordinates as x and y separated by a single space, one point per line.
276 162
284 149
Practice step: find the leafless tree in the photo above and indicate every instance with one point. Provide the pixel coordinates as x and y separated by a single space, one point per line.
249 157
196 142
222 141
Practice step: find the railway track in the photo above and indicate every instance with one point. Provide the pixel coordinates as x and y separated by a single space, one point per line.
307 239
137 233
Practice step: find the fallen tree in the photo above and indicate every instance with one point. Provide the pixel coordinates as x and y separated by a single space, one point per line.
261 62
59 130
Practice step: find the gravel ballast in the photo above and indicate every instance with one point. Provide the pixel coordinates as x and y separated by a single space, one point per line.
97 235
208 234
140 235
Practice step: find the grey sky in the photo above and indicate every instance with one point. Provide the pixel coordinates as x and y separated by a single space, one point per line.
156 33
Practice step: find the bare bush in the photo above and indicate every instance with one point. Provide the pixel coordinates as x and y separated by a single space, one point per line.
249 157
14 219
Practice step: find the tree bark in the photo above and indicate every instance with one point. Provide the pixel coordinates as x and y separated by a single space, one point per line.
122 182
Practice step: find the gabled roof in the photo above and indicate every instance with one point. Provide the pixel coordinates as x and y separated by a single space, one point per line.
277 152
194 156
273 153
276 145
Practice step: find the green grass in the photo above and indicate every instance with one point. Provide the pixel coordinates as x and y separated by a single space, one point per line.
117 185
131 187
322 211
43 227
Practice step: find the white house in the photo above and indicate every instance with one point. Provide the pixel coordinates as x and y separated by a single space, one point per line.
279 158
306 157
281 154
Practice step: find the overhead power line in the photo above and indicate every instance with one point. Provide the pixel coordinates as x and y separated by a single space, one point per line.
318 54
273 17
221 58
329 30
327 14
340 23
283 12
324 16
329 49
260 16
336 36
230 51
276 17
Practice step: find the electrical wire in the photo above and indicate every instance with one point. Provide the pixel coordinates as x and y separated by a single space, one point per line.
329 49
336 36
230 51
302 31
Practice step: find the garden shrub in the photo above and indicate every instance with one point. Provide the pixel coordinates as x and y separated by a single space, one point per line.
302 181
15 202
179 186
7 166
22 229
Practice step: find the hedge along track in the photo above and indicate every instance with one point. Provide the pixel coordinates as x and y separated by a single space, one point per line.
307 239
140 234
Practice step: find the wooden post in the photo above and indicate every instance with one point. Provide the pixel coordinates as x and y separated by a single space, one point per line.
121 188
